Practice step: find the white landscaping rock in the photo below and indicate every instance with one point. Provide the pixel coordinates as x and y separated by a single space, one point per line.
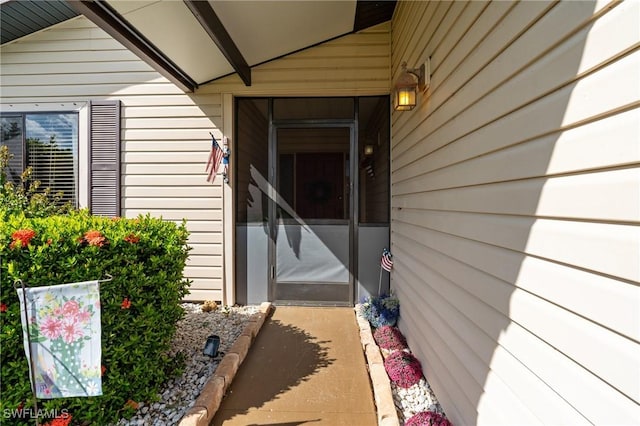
180 393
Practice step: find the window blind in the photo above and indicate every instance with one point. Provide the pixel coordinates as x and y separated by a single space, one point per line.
52 152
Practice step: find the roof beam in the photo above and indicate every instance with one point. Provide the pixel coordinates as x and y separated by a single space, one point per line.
207 17
370 13
105 17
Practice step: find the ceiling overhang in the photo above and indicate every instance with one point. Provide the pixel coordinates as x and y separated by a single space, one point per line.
192 42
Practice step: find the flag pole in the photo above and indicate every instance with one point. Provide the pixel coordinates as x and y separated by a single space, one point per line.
385 263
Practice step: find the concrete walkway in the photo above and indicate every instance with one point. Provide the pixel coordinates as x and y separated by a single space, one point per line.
306 366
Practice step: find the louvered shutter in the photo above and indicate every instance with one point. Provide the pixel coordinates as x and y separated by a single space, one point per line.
104 173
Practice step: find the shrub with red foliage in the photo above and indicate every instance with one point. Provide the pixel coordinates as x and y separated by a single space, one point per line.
22 238
62 420
403 369
132 238
94 238
427 418
390 338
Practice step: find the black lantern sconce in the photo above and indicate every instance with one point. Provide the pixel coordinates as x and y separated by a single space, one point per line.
405 93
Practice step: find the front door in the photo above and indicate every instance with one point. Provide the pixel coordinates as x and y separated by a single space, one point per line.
311 213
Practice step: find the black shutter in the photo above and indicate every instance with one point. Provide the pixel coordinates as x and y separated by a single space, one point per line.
104 172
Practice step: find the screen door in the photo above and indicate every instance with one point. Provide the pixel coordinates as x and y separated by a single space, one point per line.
311 252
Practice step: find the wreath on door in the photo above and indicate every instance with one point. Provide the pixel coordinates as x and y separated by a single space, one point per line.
319 191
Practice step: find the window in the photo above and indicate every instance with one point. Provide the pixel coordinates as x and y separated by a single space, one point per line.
48 143
73 148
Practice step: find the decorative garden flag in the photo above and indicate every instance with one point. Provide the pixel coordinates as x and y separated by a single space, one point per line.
386 261
64 340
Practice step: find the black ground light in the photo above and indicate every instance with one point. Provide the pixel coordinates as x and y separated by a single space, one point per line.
211 346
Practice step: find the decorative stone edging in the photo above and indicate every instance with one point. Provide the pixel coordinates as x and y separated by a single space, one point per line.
210 398
385 407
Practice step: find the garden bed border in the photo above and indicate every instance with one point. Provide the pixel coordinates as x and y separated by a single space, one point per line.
385 407
210 398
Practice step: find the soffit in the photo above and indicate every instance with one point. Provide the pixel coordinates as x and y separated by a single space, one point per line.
173 29
264 30
20 18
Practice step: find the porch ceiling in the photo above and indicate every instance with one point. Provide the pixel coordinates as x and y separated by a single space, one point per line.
193 42
20 18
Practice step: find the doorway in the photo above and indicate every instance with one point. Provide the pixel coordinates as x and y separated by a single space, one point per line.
306 189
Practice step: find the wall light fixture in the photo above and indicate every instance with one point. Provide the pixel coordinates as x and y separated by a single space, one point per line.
405 93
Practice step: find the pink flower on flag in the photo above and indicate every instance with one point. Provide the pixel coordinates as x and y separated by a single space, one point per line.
70 308
84 316
71 331
51 327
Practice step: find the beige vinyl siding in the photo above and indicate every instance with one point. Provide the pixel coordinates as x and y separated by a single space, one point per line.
516 208
164 138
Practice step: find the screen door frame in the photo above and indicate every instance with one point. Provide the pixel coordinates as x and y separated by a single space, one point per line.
315 297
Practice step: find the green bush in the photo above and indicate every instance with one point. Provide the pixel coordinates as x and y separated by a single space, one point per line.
139 307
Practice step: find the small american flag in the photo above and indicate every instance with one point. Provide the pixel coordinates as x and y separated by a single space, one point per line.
215 156
387 260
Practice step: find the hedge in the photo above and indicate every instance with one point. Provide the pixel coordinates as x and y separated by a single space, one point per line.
140 307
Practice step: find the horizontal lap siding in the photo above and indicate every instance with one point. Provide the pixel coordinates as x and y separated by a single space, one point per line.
516 208
165 134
